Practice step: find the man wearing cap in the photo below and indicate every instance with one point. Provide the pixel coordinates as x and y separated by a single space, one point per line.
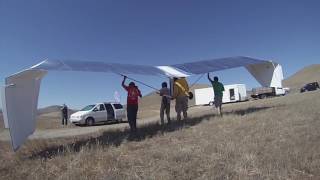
132 103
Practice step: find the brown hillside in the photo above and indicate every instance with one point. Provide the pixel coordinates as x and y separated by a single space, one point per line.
308 74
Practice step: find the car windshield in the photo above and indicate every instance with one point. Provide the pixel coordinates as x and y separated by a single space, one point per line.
87 108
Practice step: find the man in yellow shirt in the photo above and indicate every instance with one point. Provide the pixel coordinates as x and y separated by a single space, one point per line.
180 93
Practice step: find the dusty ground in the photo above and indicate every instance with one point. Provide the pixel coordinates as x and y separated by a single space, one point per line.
274 138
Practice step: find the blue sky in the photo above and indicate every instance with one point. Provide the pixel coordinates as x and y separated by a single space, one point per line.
152 33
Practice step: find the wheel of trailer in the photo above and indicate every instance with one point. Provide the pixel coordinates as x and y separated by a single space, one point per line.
90 121
262 96
211 103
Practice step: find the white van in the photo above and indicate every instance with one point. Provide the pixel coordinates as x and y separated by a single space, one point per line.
100 112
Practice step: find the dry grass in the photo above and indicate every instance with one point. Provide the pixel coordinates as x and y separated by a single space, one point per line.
267 139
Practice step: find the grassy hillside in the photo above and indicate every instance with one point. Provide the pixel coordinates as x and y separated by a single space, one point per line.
276 138
306 75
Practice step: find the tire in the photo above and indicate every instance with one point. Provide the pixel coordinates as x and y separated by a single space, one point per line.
262 96
89 121
211 103
120 121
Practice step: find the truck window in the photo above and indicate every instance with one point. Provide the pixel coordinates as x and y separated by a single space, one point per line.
101 107
232 95
87 108
117 106
110 111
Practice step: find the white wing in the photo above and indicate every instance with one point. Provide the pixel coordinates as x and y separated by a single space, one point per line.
21 91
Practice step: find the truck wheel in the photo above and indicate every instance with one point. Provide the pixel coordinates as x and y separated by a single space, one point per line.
262 96
120 121
90 121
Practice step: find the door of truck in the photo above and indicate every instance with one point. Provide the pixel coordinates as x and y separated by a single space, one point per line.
120 113
99 113
110 111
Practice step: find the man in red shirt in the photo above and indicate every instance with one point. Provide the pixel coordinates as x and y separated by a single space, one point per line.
132 103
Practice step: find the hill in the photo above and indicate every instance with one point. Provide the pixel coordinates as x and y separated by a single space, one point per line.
49 109
53 109
308 74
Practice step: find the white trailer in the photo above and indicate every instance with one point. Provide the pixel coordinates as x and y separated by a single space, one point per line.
232 93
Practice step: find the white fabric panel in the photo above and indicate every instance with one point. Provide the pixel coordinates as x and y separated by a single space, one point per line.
277 77
177 70
172 72
268 74
91 66
21 99
4 109
201 67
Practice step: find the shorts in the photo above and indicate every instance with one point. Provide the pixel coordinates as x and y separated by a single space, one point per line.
181 104
217 101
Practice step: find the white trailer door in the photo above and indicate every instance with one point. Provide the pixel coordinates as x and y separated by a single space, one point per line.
120 113
203 96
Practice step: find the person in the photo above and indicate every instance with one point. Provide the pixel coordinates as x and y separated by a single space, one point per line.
132 103
165 102
180 93
64 112
218 89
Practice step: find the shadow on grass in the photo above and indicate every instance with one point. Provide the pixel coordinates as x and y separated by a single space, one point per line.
117 137
103 123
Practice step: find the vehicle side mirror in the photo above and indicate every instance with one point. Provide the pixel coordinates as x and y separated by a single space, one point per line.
95 110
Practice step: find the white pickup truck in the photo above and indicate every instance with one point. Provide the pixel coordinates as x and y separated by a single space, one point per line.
100 112
264 92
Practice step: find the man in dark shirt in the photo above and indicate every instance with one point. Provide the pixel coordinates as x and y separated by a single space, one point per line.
64 112
165 102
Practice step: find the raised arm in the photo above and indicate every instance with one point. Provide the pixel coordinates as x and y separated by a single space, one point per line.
124 79
209 77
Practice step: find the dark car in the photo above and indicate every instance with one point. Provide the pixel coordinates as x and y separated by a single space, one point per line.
310 87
